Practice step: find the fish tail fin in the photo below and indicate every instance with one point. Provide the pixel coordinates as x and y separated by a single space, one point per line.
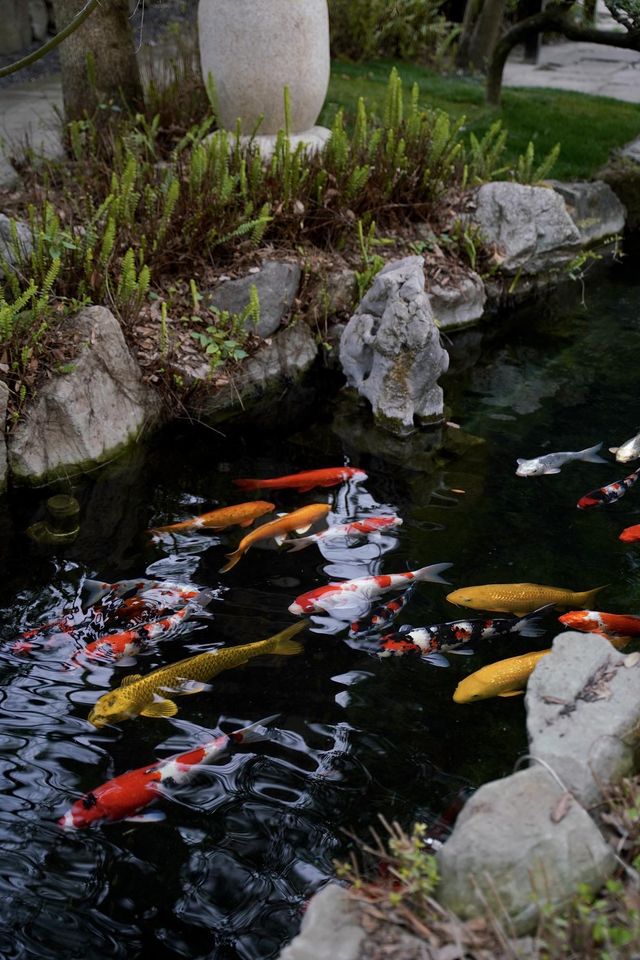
248 483
528 626
234 558
255 731
286 647
590 455
298 544
588 596
93 590
432 573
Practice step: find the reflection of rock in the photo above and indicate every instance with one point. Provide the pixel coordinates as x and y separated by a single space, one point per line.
276 284
91 413
390 349
271 371
514 386
528 227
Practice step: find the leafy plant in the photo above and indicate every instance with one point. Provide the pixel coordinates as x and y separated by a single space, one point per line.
224 339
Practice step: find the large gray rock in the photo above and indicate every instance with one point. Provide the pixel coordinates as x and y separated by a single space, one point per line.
458 303
583 711
390 350
87 416
593 207
23 240
518 844
529 227
15 33
274 366
4 399
277 285
330 928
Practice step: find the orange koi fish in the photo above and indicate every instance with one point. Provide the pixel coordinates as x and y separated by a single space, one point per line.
242 514
300 521
630 534
302 482
592 621
123 797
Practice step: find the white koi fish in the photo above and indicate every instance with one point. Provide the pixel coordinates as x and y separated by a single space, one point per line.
552 462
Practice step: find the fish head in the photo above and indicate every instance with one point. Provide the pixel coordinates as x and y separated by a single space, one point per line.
297 609
529 468
588 501
465 597
631 534
114 707
579 620
474 688
85 811
357 475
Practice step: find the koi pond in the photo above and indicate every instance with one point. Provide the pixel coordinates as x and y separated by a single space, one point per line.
243 845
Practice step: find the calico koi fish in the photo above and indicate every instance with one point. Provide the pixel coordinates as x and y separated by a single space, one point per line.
506 678
358 529
382 615
552 462
630 450
630 534
352 598
519 598
144 696
127 643
123 797
433 641
609 493
593 621
176 594
300 521
302 482
242 514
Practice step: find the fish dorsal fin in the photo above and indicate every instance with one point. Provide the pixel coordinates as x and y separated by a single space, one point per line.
133 678
521 460
160 708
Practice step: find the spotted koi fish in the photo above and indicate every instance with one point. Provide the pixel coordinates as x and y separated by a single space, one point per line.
302 482
352 598
381 616
356 530
123 797
609 493
432 642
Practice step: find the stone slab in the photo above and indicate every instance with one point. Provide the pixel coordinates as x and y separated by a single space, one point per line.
330 929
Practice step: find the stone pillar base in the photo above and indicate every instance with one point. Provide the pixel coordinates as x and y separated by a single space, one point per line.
314 139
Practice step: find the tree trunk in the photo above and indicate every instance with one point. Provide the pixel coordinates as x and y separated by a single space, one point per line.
471 12
98 61
486 33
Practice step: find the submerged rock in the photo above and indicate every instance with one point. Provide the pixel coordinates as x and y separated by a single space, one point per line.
593 207
583 710
520 843
390 350
4 399
88 415
529 227
276 284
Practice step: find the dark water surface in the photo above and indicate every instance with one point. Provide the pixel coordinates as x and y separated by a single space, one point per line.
227 873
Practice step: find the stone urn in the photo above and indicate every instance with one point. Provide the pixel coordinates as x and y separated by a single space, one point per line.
253 49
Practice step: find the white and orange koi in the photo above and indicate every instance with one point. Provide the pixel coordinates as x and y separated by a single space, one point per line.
358 529
123 797
352 598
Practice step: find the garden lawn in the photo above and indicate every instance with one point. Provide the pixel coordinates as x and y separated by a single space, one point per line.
587 128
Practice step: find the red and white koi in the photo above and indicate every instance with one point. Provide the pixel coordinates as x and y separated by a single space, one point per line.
123 797
433 641
359 529
609 493
302 482
381 616
594 621
352 598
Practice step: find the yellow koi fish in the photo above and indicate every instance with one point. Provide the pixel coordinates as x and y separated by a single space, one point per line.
145 696
519 598
300 521
506 678
242 513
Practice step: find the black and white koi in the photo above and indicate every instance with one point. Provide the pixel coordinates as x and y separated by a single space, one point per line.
609 493
432 642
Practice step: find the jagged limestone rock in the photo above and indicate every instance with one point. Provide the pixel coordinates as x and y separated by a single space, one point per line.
583 713
528 227
519 843
390 350
88 415
459 303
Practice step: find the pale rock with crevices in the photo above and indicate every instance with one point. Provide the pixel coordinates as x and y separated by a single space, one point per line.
593 207
87 415
390 350
459 303
276 284
529 228
520 843
583 713
330 928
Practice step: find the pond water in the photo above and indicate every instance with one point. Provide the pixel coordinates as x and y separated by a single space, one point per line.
226 875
